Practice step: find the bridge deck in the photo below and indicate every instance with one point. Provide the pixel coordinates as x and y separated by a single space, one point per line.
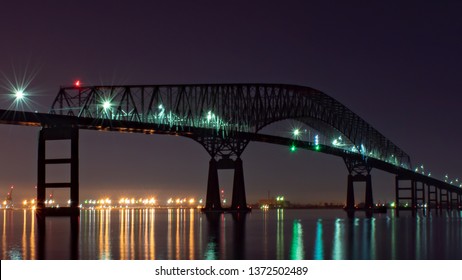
49 120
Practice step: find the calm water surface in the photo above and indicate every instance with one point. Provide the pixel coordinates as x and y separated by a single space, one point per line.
189 234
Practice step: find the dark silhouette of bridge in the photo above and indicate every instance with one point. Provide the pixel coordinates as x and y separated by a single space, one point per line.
224 118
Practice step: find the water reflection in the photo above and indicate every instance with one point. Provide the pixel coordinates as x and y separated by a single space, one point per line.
280 234
190 234
297 251
338 243
212 247
239 221
318 245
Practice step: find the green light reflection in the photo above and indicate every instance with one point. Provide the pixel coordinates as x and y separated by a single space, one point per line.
338 250
297 251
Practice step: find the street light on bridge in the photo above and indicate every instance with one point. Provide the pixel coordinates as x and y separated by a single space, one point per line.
296 132
106 105
19 94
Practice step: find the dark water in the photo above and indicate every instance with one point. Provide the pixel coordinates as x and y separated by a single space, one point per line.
189 234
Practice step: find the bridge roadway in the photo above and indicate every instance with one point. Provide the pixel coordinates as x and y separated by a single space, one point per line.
45 121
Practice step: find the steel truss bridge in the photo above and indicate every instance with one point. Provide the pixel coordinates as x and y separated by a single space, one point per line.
224 118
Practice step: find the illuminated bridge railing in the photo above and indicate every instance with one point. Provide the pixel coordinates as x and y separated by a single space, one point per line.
231 108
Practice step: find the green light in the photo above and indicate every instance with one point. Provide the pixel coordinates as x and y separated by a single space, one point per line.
317 147
293 148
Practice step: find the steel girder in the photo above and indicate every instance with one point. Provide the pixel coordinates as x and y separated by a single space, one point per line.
228 108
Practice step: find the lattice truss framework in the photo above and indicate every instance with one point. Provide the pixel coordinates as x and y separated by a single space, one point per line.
230 108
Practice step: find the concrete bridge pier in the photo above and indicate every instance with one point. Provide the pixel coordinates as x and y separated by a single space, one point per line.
409 195
368 200
239 202
73 211
359 171
432 194
444 199
350 204
454 200
212 202
225 154
52 134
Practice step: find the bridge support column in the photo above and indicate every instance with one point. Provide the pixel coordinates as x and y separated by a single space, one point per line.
350 204
225 153
369 202
420 198
409 197
368 199
213 202
73 211
444 198
359 171
432 193
454 201
239 202
50 134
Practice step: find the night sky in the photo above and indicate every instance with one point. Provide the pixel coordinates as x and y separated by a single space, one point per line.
398 66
